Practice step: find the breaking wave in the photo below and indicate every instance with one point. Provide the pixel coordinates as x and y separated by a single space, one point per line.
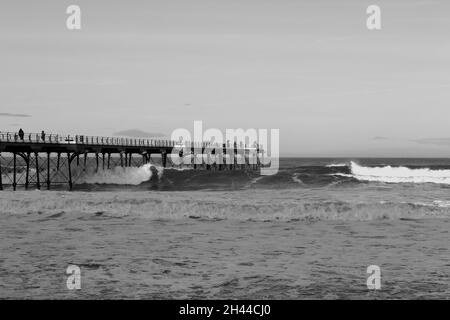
400 174
121 176
333 165
213 206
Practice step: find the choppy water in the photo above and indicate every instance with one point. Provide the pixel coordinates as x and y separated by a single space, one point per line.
308 232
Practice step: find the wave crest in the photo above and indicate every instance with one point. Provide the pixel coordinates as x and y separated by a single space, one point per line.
119 175
336 165
213 206
398 174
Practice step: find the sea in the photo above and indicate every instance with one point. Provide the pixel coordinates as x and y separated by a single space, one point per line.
311 231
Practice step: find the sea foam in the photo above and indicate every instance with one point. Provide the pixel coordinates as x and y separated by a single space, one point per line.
119 175
391 174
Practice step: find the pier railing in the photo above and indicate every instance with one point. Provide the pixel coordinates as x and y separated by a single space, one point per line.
14 137
82 139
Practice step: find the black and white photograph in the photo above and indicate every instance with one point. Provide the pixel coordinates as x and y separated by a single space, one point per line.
235 150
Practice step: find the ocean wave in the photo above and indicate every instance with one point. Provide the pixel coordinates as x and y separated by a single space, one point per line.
333 165
212 206
121 176
400 174
295 178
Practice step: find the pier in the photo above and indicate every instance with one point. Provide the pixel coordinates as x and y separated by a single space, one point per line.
45 160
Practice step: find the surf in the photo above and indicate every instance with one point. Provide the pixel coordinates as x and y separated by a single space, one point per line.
122 176
400 174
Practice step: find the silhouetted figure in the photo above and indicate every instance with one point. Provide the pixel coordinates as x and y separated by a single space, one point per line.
43 136
21 134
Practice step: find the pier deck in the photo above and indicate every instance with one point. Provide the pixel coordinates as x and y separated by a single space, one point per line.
34 158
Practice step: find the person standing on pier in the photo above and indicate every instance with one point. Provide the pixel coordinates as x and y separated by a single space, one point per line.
21 134
43 136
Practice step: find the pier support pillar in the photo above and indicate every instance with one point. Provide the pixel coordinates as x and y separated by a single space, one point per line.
164 158
96 160
1 181
48 170
58 158
109 159
70 171
38 183
103 161
27 173
121 159
232 159
14 173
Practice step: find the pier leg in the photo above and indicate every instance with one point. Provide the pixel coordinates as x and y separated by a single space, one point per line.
1 181
48 170
204 164
231 153
103 162
58 158
208 159
70 171
220 160
14 174
121 159
85 160
96 160
38 183
27 174
78 160
129 162
144 159
164 159
109 159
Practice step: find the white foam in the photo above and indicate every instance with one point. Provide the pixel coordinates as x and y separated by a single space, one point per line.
442 203
399 174
336 165
295 178
119 175
270 205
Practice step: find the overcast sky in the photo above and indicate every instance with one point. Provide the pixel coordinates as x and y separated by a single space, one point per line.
309 68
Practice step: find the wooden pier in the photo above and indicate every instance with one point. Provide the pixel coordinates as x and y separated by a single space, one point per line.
35 159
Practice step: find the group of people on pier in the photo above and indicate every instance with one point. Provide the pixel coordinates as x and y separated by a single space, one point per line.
21 135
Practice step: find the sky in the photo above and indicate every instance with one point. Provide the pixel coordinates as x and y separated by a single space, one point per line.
311 69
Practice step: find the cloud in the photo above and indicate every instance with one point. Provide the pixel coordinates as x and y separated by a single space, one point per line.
17 115
434 141
138 133
380 138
